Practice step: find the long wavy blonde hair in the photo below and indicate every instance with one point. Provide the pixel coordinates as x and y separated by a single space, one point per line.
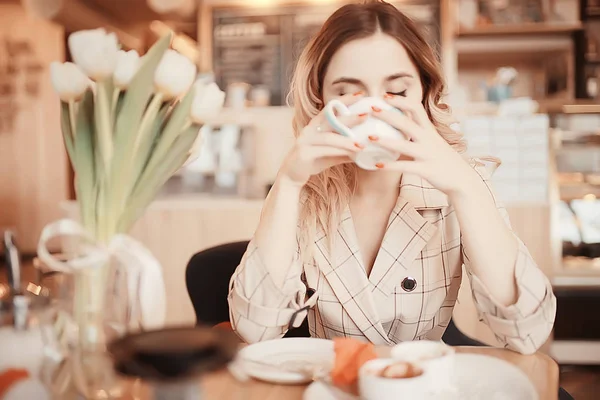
326 195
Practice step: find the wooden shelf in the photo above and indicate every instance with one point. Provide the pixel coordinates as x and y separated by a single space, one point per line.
589 108
545 106
530 47
576 106
521 29
593 60
592 12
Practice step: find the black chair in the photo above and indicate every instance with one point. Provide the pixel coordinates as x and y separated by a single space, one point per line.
207 278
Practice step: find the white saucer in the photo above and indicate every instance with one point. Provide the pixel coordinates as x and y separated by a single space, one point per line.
288 351
472 377
483 377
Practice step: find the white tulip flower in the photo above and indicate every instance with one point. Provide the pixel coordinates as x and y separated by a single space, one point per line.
208 101
95 52
128 63
174 75
68 81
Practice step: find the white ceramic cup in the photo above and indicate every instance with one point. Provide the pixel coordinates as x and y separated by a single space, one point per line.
372 153
372 386
435 358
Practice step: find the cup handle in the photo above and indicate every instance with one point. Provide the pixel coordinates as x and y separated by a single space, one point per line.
330 109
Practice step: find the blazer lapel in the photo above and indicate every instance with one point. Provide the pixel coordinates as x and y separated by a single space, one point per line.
421 194
346 275
406 235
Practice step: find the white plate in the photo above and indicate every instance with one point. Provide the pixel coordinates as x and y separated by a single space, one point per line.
290 351
483 377
472 377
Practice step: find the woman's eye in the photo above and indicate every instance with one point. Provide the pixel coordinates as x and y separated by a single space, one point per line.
402 93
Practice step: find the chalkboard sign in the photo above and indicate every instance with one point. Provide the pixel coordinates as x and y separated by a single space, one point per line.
260 47
248 49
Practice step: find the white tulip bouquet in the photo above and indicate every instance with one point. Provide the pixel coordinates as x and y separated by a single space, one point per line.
129 123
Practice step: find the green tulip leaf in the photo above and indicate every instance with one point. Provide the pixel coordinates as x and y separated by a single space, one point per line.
147 145
129 119
117 106
84 160
138 94
65 124
179 117
179 149
153 180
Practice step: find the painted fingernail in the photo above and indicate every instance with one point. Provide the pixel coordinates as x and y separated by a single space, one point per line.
373 138
362 115
359 145
388 96
379 165
375 108
359 93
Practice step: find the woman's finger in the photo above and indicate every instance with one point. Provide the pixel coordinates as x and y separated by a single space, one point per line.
405 166
401 122
328 162
347 99
414 109
332 139
318 152
402 146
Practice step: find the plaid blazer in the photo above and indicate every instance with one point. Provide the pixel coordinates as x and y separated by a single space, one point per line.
410 293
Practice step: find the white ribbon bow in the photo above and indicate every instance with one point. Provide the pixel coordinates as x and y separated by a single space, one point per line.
144 272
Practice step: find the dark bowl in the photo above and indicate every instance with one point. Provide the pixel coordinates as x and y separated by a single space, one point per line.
173 353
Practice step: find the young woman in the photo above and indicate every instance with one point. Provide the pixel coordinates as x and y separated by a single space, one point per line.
378 255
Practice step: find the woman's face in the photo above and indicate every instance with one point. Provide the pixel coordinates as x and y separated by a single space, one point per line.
375 65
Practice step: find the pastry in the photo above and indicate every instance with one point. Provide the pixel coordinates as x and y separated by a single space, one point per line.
400 370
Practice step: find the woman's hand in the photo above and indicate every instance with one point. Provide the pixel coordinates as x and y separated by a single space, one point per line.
426 154
318 147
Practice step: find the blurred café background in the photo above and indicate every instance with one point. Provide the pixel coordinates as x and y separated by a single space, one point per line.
523 81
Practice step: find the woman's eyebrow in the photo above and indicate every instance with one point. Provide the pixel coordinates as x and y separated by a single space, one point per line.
399 75
355 81
352 81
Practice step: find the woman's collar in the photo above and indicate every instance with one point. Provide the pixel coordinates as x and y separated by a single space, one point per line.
421 194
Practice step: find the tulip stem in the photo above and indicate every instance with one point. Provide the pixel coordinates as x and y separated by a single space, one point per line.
186 125
115 101
147 119
104 126
72 117
127 181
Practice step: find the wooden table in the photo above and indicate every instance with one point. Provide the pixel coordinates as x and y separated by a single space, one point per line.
541 370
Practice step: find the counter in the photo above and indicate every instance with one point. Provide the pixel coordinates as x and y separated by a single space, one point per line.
176 228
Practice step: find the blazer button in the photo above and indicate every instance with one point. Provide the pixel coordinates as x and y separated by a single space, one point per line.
409 284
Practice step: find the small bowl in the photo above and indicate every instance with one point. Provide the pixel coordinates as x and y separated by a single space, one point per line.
175 353
373 386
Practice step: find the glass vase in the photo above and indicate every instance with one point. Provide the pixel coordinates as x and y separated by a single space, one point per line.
101 305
